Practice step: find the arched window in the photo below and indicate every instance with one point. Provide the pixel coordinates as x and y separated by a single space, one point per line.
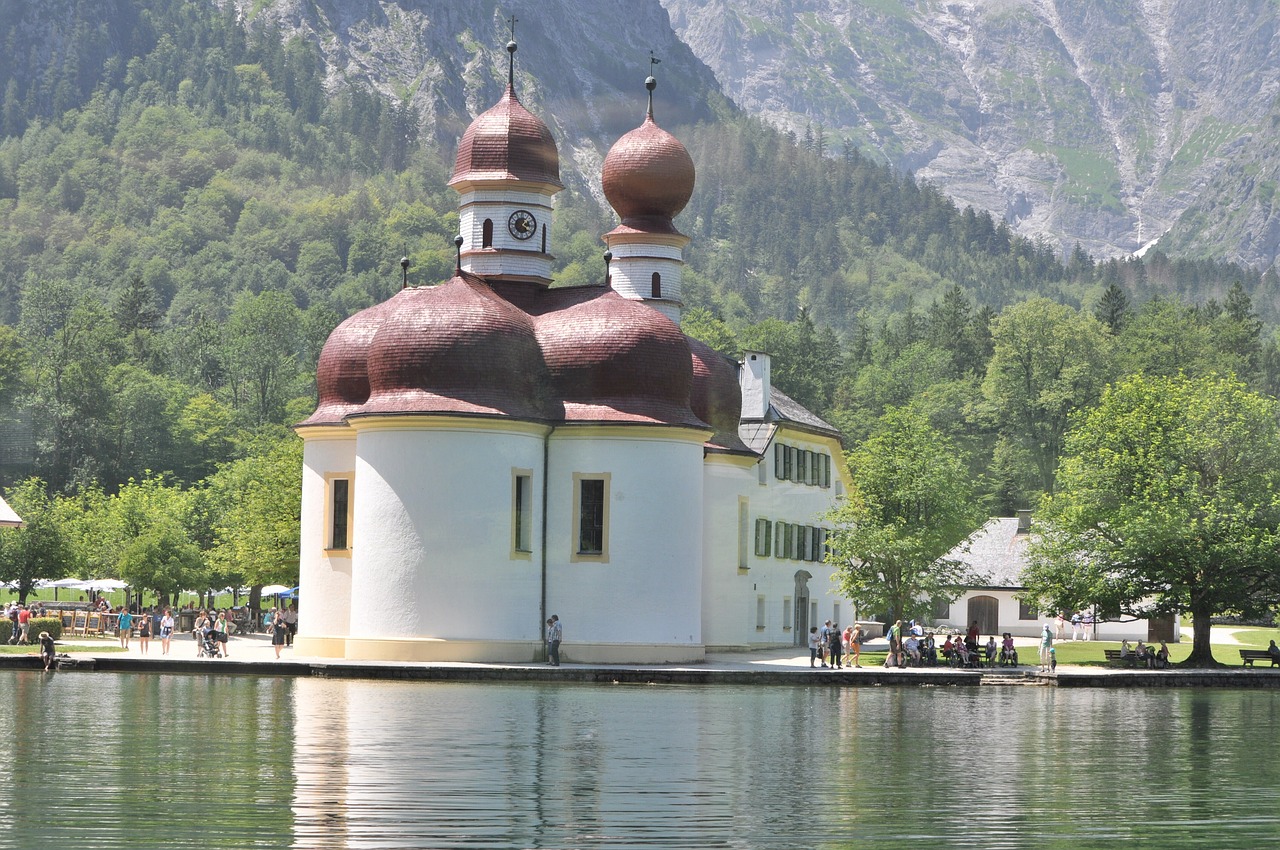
544 238
486 236
655 285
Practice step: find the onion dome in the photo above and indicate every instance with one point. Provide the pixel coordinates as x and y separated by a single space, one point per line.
716 397
610 359
342 375
648 173
508 142
455 348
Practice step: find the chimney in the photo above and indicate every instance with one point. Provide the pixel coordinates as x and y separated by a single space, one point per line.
754 380
1024 521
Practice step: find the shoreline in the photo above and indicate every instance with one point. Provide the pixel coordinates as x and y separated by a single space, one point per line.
253 655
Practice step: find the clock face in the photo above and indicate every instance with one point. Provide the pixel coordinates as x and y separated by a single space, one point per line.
522 224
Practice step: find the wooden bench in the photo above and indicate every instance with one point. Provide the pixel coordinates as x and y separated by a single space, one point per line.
1248 656
1113 657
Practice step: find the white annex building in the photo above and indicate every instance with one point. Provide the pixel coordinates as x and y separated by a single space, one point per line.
997 555
493 450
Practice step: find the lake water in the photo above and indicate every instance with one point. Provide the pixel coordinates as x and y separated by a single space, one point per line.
98 760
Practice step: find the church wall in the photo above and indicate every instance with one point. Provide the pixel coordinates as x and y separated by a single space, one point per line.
647 589
758 606
325 574
442 565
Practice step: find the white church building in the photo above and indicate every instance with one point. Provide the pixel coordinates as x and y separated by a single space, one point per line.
492 450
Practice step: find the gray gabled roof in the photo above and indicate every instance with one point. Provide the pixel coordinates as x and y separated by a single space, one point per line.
997 554
783 410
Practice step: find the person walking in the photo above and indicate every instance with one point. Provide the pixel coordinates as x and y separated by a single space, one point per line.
144 632
1075 626
555 634
124 627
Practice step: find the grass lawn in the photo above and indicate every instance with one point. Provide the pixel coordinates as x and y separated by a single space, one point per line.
73 644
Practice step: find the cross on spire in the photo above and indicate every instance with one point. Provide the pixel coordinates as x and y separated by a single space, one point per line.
511 53
651 83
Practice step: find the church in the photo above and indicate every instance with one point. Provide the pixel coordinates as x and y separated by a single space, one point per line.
492 450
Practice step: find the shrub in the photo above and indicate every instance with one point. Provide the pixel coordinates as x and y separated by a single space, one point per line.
52 625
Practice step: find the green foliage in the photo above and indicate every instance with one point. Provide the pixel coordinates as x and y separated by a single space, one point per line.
41 549
52 625
1167 501
911 504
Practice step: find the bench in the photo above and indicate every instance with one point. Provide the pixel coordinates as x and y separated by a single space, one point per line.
1248 656
1113 657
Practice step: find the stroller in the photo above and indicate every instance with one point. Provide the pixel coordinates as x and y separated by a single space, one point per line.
209 647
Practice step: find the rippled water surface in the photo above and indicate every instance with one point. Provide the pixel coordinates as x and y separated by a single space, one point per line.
146 761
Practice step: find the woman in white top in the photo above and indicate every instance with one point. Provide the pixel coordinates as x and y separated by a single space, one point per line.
166 631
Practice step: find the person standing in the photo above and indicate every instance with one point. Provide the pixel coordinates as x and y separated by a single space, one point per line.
1046 643
1086 625
144 632
278 629
814 646
1060 625
222 632
124 627
555 634
1075 626
833 646
895 642
290 623
166 631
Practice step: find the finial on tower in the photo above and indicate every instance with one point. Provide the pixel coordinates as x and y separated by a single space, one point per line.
457 244
511 54
404 269
608 258
650 82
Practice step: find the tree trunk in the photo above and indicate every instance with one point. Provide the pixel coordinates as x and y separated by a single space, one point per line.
1201 653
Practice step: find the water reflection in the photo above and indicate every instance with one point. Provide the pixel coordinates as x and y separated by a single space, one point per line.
580 766
146 761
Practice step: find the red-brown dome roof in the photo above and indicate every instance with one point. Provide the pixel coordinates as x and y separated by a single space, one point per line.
455 348
507 142
342 375
614 360
716 397
648 173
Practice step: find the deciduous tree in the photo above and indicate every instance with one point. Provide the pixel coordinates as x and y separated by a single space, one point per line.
911 505
1168 501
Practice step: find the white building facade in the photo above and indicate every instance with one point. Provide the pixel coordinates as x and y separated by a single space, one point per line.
492 450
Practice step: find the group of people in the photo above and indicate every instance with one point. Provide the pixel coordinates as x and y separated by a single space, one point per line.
20 617
1081 625
832 648
1152 659
555 634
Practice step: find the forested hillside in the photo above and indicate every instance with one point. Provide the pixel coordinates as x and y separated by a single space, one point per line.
188 206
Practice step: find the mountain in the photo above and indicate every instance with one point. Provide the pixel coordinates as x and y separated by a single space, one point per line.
581 66
1091 121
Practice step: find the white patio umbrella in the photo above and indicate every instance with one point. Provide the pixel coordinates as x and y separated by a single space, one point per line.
273 589
104 584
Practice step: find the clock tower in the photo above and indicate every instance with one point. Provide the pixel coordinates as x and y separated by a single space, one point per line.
506 173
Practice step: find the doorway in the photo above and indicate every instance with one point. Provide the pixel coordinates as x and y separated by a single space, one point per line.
800 637
986 610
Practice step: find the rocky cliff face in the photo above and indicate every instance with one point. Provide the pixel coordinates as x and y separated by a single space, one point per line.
581 66
1097 121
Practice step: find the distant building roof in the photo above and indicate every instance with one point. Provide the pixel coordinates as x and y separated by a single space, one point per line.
7 517
997 553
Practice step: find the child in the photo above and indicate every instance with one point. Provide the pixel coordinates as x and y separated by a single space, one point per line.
47 650
1053 659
